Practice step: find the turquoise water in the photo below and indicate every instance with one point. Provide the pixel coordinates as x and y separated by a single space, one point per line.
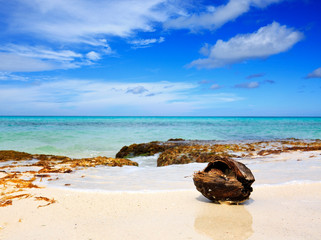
93 136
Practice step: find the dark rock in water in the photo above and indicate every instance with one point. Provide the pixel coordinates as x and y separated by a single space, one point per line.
146 149
141 149
175 139
225 180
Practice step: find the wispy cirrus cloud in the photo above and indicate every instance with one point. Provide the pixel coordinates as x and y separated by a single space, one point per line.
94 97
69 25
315 74
7 76
144 43
216 16
85 21
269 40
40 52
26 58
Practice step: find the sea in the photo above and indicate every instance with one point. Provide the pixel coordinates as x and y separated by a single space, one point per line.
104 136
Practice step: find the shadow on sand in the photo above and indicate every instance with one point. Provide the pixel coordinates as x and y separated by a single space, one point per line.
223 221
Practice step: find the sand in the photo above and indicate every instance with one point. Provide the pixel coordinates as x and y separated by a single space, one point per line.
290 211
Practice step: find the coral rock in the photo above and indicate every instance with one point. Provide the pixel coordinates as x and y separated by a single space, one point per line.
147 149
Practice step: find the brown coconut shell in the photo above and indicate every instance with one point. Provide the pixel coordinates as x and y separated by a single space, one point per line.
225 180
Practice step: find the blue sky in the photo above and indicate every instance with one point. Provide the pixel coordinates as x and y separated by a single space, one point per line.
160 57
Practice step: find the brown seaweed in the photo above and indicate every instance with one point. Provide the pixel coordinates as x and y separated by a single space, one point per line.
13 181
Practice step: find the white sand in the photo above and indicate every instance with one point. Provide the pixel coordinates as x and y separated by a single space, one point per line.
274 212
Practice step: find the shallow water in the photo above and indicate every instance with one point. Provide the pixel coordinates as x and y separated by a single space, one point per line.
94 136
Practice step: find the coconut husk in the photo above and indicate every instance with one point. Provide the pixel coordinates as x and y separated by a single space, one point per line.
225 180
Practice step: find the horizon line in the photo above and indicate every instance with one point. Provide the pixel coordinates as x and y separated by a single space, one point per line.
262 116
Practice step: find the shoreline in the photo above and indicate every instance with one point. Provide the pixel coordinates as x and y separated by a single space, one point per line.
277 208
279 212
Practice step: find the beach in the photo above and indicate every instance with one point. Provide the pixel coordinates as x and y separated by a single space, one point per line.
277 212
58 197
279 209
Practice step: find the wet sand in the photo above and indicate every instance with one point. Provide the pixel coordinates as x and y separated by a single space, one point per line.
289 211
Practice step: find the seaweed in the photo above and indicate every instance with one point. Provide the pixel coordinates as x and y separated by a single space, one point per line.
14 181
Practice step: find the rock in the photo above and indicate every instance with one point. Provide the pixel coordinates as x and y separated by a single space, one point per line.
225 180
146 149
142 149
175 139
188 154
180 151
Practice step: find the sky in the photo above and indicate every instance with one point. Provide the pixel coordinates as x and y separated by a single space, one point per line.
160 58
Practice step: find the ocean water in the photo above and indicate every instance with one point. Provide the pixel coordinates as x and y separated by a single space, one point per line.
104 136
94 136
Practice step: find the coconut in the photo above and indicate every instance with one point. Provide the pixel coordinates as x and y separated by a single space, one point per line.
225 180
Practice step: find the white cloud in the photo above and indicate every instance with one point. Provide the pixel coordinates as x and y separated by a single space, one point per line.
24 58
85 21
73 24
6 76
15 63
269 40
205 50
76 97
40 52
94 56
315 74
215 17
143 43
